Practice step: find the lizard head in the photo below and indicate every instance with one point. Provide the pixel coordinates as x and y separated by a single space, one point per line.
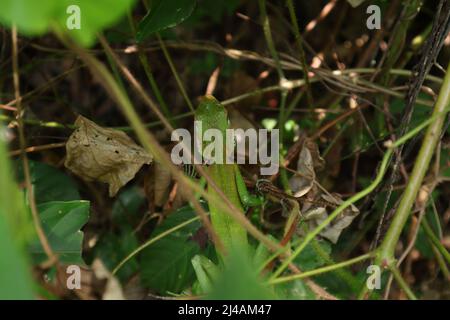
212 114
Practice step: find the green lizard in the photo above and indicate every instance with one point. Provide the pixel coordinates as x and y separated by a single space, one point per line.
227 177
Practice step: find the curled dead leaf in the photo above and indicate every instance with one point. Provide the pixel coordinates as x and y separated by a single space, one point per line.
302 182
317 214
318 204
104 154
308 161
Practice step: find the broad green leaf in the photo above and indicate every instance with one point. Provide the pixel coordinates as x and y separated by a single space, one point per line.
62 222
127 204
166 264
239 281
114 247
213 11
310 259
164 14
295 290
31 17
95 16
49 183
206 271
35 18
15 279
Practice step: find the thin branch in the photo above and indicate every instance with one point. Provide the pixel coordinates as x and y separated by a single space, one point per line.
322 270
175 73
299 41
402 283
26 167
383 167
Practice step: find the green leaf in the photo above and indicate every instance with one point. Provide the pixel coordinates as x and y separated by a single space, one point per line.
49 183
127 204
206 271
62 222
212 11
164 14
166 264
95 16
310 259
31 17
35 18
15 279
239 281
295 290
114 247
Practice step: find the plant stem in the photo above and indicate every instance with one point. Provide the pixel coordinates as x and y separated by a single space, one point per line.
147 140
322 270
57 125
151 241
435 241
26 167
432 136
385 253
148 72
273 52
383 167
299 40
402 283
175 73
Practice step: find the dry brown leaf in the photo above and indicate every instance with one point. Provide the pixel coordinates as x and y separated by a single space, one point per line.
103 154
302 182
319 204
308 161
318 161
317 214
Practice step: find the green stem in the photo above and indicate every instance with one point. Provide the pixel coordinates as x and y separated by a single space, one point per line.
175 73
151 241
441 262
57 125
385 253
322 270
299 40
432 136
279 68
148 72
436 243
383 167
402 283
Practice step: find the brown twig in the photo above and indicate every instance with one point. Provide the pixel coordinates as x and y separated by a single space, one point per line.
26 168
